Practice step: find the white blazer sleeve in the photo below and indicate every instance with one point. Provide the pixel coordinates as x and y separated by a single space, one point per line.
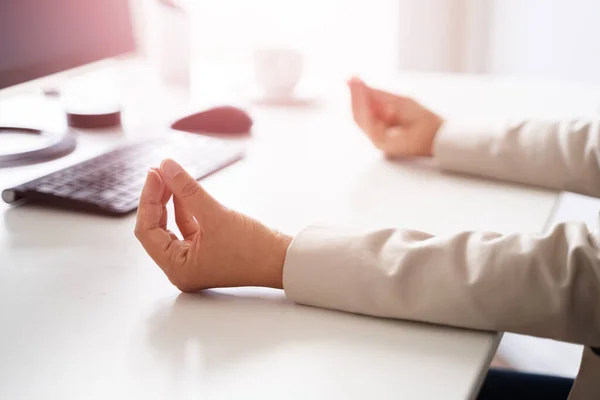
562 155
542 285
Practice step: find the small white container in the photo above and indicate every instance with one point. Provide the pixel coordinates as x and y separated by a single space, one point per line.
170 41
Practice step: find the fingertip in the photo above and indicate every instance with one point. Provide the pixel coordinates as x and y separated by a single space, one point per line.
153 178
170 169
151 193
159 176
356 82
152 186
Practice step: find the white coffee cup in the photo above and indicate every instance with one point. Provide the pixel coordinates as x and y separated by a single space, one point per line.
278 71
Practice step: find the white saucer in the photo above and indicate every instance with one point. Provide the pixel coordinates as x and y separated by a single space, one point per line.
297 99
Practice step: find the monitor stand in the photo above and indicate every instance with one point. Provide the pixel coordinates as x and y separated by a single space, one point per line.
85 106
53 118
59 144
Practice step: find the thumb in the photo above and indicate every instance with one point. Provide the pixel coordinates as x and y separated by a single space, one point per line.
192 196
360 106
395 108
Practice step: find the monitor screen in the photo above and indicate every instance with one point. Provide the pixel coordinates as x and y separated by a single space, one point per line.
42 37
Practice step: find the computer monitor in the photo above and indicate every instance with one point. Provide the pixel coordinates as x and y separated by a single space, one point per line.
43 37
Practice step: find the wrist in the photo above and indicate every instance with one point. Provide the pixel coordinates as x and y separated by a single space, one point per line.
437 124
281 244
273 259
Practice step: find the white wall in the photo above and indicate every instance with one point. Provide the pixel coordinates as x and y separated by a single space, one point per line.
431 35
556 38
338 32
443 35
551 38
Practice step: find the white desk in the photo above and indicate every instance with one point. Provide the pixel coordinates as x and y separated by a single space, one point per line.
86 314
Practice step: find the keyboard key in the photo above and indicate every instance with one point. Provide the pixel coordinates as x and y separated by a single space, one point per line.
46 188
64 191
100 185
103 196
123 205
83 193
58 181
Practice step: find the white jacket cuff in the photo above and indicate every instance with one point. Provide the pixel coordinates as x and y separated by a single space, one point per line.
317 270
466 147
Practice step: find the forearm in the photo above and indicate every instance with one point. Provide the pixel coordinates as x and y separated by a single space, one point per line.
561 155
538 285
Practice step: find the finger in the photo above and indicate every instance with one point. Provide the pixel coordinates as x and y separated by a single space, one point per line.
193 197
375 125
389 113
354 79
150 208
360 108
363 113
188 226
401 109
393 105
165 196
377 97
156 241
384 96
376 133
376 104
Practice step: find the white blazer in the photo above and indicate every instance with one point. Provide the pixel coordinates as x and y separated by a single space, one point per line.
545 285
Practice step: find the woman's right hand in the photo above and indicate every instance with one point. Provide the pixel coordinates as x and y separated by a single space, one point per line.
397 125
219 246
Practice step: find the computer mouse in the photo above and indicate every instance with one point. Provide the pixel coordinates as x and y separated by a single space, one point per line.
223 119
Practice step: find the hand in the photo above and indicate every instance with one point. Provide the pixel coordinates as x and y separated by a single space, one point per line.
219 248
399 126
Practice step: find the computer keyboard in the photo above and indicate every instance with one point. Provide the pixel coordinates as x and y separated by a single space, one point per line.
111 183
